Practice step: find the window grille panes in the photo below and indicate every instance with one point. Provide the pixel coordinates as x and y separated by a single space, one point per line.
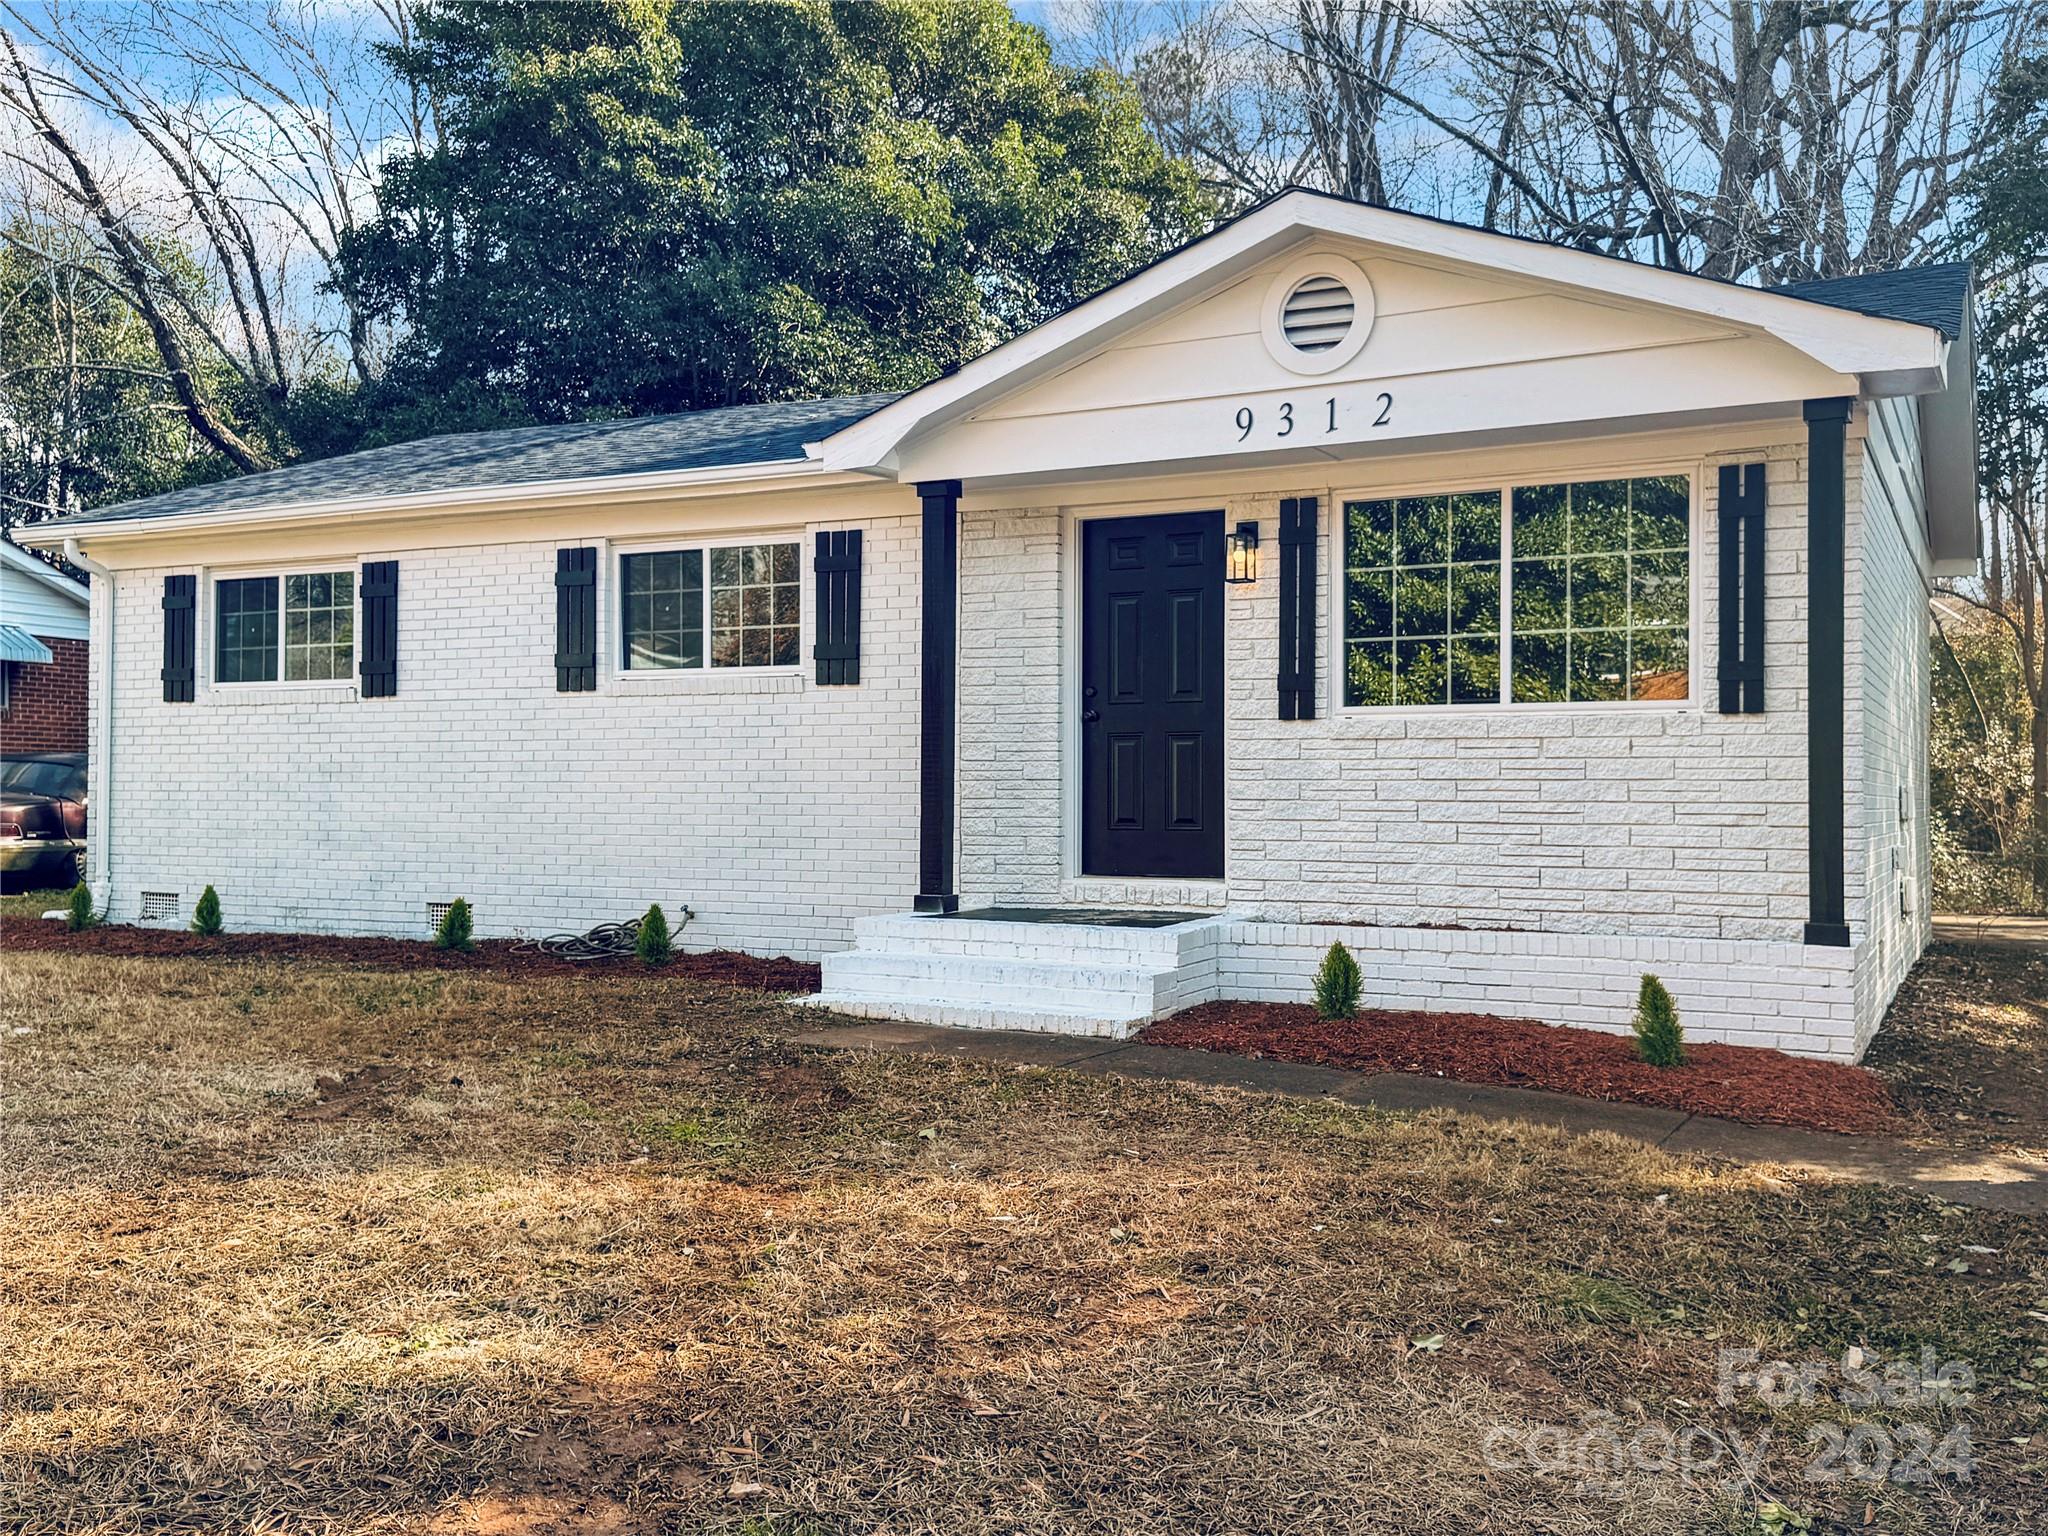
664 609
1601 608
1422 619
245 630
756 595
319 626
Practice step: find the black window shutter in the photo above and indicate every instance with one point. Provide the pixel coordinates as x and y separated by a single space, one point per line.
181 636
1742 589
838 602
576 620
380 629
1298 608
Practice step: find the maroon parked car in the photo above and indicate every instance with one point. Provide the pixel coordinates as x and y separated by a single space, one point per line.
42 820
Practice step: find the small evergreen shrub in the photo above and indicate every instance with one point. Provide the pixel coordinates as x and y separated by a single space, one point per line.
456 928
1660 1040
652 943
206 916
80 914
1338 984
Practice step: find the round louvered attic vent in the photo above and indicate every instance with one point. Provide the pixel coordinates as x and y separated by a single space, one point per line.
1318 313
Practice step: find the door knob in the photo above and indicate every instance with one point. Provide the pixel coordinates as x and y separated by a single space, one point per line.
1091 715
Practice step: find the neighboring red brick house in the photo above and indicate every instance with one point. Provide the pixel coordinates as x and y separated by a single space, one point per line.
43 647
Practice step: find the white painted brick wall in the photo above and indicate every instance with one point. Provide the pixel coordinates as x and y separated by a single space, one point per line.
782 812
1011 632
1622 826
1653 821
1680 822
1780 995
779 810
1890 877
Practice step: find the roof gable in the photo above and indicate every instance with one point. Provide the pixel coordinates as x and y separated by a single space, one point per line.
1874 354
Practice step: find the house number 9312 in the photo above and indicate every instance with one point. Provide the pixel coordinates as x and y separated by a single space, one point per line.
1285 422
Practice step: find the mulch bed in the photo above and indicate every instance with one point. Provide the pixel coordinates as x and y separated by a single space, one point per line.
501 956
1734 1082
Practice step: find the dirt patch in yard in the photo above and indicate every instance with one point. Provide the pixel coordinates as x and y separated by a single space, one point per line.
780 974
1965 1046
1734 1082
355 1093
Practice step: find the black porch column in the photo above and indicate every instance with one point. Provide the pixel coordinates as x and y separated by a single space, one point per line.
939 696
1826 432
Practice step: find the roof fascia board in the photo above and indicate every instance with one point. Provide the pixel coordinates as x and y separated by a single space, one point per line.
726 478
1892 356
1842 339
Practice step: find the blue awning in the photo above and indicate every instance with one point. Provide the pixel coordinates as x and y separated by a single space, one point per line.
17 644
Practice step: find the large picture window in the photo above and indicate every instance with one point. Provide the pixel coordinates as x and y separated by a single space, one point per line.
1422 600
1577 593
296 628
726 605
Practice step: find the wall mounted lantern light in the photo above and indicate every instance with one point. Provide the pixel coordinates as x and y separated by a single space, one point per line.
1241 559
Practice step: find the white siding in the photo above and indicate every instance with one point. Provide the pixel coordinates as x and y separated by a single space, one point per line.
32 605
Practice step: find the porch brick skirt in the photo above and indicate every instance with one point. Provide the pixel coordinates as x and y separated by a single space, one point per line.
1792 997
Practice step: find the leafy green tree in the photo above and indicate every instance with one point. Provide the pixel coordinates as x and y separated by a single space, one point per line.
2006 231
656 205
79 913
86 410
1980 766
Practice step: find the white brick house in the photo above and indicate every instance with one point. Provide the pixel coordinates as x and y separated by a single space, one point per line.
1346 573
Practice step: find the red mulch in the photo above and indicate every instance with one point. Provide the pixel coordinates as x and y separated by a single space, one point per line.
497 955
1734 1082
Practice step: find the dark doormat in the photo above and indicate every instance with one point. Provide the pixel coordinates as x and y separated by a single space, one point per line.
1085 917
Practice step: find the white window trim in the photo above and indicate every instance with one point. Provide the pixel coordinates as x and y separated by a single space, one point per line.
207 636
1694 470
613 673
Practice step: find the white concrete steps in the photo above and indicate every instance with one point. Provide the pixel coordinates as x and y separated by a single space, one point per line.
961 1016
1105 979
1128 991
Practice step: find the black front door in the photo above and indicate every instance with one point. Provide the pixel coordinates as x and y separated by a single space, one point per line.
1152 696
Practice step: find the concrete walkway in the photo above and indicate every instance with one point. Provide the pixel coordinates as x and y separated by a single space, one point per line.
1995 1180
2021 933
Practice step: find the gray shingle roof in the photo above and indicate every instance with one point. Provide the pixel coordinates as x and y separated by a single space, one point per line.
737 434
1936 295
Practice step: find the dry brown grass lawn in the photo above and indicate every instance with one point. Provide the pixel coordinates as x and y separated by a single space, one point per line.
311 1250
